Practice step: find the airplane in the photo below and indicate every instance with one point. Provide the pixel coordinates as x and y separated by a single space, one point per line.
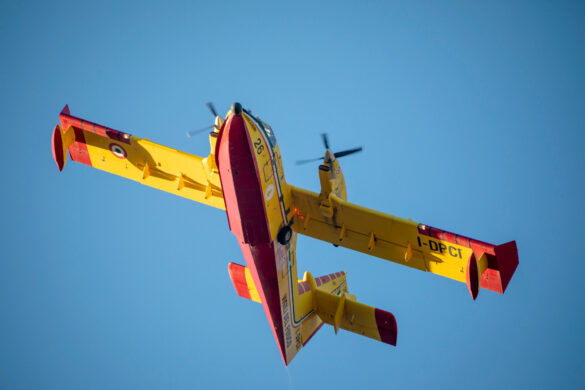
243 175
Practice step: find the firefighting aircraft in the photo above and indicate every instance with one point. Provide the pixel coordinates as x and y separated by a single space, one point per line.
243 175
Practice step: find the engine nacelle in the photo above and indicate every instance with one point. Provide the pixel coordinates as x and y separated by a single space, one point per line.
332 180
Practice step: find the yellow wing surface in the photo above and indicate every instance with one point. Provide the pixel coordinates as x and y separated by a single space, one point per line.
138 159
343 311
403 241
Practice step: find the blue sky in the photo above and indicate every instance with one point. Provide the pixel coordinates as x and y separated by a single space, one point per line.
472 120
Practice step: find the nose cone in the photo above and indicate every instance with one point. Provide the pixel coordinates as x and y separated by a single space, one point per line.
237 108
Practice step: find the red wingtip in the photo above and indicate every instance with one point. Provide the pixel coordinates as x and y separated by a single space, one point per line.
65 110
57 147
472 276
507 255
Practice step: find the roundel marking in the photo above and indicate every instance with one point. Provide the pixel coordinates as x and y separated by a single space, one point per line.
269 192
118 151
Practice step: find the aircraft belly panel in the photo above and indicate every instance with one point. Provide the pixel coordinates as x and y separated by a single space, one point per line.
238 174
252 215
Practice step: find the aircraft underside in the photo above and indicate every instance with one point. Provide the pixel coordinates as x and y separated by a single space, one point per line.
248 220
243 174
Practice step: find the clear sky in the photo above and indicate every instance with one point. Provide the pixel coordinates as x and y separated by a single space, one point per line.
472 119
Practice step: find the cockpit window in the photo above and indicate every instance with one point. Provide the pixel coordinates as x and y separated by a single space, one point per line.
269 133
264 126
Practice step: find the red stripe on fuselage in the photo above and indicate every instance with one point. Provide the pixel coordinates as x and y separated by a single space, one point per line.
247 218
237 170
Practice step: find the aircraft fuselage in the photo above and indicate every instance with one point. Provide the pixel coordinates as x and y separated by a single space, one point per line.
257 202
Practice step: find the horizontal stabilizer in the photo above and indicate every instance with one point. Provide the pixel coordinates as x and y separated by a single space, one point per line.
343 311
243 283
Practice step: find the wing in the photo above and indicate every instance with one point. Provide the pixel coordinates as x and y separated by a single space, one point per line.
138 159
405 242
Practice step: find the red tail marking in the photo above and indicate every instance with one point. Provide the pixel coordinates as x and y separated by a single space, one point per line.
238 276
387 327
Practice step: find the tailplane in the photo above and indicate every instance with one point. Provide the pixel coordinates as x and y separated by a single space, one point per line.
243 283
326 300
343 311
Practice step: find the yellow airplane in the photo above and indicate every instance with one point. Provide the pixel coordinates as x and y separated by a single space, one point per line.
243 175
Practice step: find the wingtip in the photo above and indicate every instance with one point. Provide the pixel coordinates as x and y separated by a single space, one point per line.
65 110
507 257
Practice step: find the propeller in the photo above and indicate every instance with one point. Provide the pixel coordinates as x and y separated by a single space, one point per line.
211 108
342 153
347 152
325 140
195 132
301 162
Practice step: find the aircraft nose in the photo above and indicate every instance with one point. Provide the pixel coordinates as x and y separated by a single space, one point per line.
237 108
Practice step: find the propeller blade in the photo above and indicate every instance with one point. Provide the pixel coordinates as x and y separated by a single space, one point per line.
212 109
325 140
192 133
299 162
347 152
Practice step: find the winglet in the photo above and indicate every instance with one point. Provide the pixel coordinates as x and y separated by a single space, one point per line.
65 110
502 264
507 257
